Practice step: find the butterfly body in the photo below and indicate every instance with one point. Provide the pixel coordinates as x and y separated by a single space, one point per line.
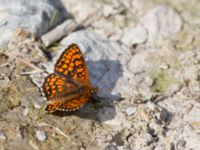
68 88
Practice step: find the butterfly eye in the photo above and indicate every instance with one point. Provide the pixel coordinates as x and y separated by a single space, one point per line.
94 89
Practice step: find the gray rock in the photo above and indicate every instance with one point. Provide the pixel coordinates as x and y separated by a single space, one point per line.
162 115
41 135
34 15
161 22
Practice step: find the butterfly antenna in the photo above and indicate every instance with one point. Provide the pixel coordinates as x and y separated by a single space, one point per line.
94 87
104 73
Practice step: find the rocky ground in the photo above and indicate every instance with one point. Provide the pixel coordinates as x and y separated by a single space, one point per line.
142 54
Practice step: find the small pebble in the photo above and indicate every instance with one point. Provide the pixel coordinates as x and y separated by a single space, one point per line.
111 147
156 128
189 108
147 138
151 106
2 136
41 135
26 111
145 116
181 144
164 66
162 115
38 105
107 10
130 110
108 138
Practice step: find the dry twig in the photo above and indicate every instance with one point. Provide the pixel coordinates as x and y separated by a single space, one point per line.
65 28
26 62
57 129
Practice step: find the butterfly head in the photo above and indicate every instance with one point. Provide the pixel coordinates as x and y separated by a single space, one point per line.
94 89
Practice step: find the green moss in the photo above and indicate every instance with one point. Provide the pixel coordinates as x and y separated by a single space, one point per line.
174 63
162 80
186 39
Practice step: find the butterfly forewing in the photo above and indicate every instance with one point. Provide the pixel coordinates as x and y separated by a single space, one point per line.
71 64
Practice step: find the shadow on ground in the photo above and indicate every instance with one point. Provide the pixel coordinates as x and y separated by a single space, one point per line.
101 105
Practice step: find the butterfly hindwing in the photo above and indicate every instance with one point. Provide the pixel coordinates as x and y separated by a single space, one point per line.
58 86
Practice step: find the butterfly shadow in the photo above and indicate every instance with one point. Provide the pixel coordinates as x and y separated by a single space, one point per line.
104 74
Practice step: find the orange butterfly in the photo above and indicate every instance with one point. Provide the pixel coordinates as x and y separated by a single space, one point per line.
68 88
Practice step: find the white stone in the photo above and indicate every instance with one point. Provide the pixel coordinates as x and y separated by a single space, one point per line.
161 22
107 10
26 111
2 136
147 138
130 110
116 36
151 106
157 129
41 135
134 36
38 104
138 62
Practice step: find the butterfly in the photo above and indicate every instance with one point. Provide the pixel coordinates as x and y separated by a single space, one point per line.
68 88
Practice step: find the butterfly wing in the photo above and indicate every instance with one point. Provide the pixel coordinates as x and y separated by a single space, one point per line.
58 86
71 64
68 88
59 90
69 103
